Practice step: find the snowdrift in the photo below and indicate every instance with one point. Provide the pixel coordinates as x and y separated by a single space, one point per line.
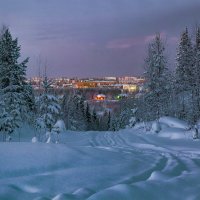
126 165
174 123
174 128
168 127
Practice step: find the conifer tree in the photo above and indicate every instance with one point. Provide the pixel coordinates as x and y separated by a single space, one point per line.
95 120
196 74
155 99
76 113
114 123
12 81
6 121
49 108
66 103
184 68
103 120
109 121
185 79
88 117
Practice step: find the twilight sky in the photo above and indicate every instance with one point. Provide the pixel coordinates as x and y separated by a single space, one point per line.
95 37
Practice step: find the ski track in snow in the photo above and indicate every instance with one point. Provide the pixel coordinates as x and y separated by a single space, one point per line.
101 165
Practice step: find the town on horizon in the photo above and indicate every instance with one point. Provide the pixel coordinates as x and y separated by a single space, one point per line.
126 83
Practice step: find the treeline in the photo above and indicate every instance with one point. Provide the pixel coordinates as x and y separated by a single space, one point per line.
78 115
19 105
174 93
87 93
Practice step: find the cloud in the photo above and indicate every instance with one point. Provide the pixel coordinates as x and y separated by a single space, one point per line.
99 35
126 43
123 43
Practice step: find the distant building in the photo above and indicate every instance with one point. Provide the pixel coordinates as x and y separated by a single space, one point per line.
93 84
85 84
130 80
130 87
130 84
111 78
100 97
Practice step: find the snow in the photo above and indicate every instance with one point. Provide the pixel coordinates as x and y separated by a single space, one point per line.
174 128
34 140
167 127
156 127
59 126
175 133
125 165
174 122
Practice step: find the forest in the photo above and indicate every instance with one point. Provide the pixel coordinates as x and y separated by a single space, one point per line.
165 93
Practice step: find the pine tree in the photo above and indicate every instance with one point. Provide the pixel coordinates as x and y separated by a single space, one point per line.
109 121
184 68
185 79
103 120
6 121
12 80
66 107
49 108
126 107
29 97
114 123
95 120
154 102
88 118
196 74
76 113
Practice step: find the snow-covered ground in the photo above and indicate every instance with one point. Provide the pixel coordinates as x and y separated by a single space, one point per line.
124 165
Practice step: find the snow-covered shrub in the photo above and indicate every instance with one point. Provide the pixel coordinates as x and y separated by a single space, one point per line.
132 122
59 127
133 119
156 128
195 132
49 137
174 122
34 140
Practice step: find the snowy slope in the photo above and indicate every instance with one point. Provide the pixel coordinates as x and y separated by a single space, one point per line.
101 166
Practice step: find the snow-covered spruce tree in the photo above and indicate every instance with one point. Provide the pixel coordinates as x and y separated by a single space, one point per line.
49 108
6 121
12 81
76 113
155 101
29 97
65 107
196 94
120 120
185 77
95 121
88 118
109 120
114 123
126 111
104 121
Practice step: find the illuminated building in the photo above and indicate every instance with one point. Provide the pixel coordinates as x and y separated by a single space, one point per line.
100 97
130 87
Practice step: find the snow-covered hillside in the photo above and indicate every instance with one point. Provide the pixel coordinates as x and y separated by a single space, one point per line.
102 165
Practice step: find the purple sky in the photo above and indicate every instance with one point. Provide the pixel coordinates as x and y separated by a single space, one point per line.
95 37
